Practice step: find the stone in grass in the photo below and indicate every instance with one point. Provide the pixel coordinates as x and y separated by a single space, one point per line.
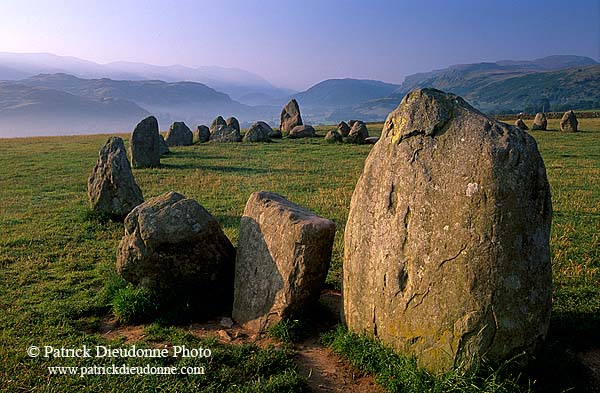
233 123
179 134
258 132
217 122
290 117
202 134
333 136
303 131
284 252
540 122
145 144
173 244
521 124
446 248
569 122
358 133
112 189
225 134
343 128
163 148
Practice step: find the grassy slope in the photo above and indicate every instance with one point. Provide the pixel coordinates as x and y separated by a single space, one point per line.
54 262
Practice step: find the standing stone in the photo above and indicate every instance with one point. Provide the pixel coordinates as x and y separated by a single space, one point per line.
333 136
569 122
521 124
202 134
303 131
172 243
343 128
283 256
233 123
351 123
163 148
540 122
218 122
258 132
179 135
225 134
145 144
358 133
290 117
111 187
447 253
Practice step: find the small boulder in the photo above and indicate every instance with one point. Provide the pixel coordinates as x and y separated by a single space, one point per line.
225 134
569 122
521 124
202 134
233 123
371 140
303 131
163 148
333 136
358 133
284 251
218 122
275 134
540 122
258 132
145 144
111 187
343 128
290 117
179 135
172 243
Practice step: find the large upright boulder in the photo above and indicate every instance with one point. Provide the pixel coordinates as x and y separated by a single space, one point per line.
290 117
303 131
446 246
202 134
540 122
283 256
358 133
225 134
233 123
569 122
218 122
145 144
112 190
179 134
258 132
172 243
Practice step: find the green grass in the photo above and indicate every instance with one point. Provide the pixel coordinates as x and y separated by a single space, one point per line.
57 263
396 373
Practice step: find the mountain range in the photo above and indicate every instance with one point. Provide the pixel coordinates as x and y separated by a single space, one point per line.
48 94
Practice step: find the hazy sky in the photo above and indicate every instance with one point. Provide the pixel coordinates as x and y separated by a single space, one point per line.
301 42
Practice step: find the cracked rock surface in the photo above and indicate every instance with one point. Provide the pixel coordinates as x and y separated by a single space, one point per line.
447 253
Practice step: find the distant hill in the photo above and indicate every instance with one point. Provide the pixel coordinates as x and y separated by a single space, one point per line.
192 102
337 93
551 83
233 81
27 110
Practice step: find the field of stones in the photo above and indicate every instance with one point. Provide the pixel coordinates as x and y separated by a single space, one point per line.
64 268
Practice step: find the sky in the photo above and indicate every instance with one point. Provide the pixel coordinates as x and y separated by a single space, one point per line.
298 43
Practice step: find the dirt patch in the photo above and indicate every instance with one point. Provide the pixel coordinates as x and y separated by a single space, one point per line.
323 370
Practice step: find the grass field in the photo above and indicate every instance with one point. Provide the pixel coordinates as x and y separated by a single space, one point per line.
55 261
